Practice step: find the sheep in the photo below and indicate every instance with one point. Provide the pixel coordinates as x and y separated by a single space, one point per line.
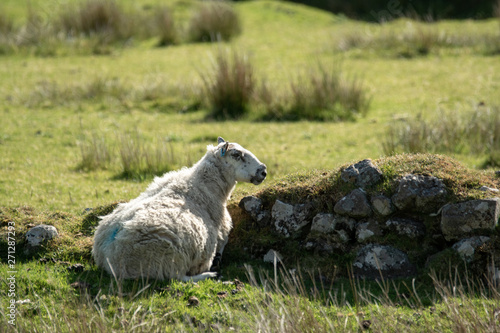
176 228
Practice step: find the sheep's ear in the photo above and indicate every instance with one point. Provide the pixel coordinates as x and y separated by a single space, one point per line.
220 140
224 149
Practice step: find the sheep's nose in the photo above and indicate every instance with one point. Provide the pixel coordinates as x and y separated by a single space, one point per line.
263 171
260 175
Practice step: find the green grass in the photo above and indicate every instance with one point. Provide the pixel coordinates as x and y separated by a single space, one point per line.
66 112
265 302
417 39
476 132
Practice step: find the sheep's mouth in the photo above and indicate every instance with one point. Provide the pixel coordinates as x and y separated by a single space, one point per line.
256 180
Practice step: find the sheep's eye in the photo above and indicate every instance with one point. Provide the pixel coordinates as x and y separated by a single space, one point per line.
237 155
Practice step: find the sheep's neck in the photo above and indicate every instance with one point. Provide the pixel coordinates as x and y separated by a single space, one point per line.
218 181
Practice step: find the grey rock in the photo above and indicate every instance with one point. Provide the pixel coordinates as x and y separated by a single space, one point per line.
252 205
284 219
337 228
263 218
41 233
441 261
490 189
323 247
323 223
373 260
311 244
343 236
406 227
463 219
355 204
382 205
362 174
289 219
272 256
367 229
345 223
319 246
302 213
326 245
330 233
424 194
467 247
326 248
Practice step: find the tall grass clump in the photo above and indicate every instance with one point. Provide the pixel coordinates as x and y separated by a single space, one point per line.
6 33
113 92
140 160
230 87
47 93
214 20
94 26
415 39
165 27
6 25
271 100
323 94
494 45
457 303
474 132
286 304
467 304
102 88
411 42
132 156
37 35
95 153
102 18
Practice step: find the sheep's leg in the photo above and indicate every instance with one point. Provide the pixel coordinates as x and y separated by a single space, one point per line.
223 235
216 262
221 243
199 277
220 248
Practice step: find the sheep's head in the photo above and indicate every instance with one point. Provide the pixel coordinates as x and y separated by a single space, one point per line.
246 165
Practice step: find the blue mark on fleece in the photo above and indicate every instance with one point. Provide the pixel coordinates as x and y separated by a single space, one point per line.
112 237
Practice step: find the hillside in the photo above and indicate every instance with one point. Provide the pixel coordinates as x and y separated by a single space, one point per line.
87 121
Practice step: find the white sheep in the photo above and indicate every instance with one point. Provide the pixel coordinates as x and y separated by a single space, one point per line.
175 228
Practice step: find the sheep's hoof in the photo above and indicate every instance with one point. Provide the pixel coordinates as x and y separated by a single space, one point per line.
216 263
199 277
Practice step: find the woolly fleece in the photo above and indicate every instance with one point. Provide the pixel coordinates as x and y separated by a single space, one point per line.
174 229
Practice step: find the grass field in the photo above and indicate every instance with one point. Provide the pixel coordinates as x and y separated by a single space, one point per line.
59 100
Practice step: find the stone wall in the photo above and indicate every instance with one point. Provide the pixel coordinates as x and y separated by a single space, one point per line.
397 235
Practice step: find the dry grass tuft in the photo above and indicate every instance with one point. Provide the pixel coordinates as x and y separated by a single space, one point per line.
165 26
230 89
140 160
473 132
214 21
416 39
133 156
95 153
6 25
324 93
97 17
